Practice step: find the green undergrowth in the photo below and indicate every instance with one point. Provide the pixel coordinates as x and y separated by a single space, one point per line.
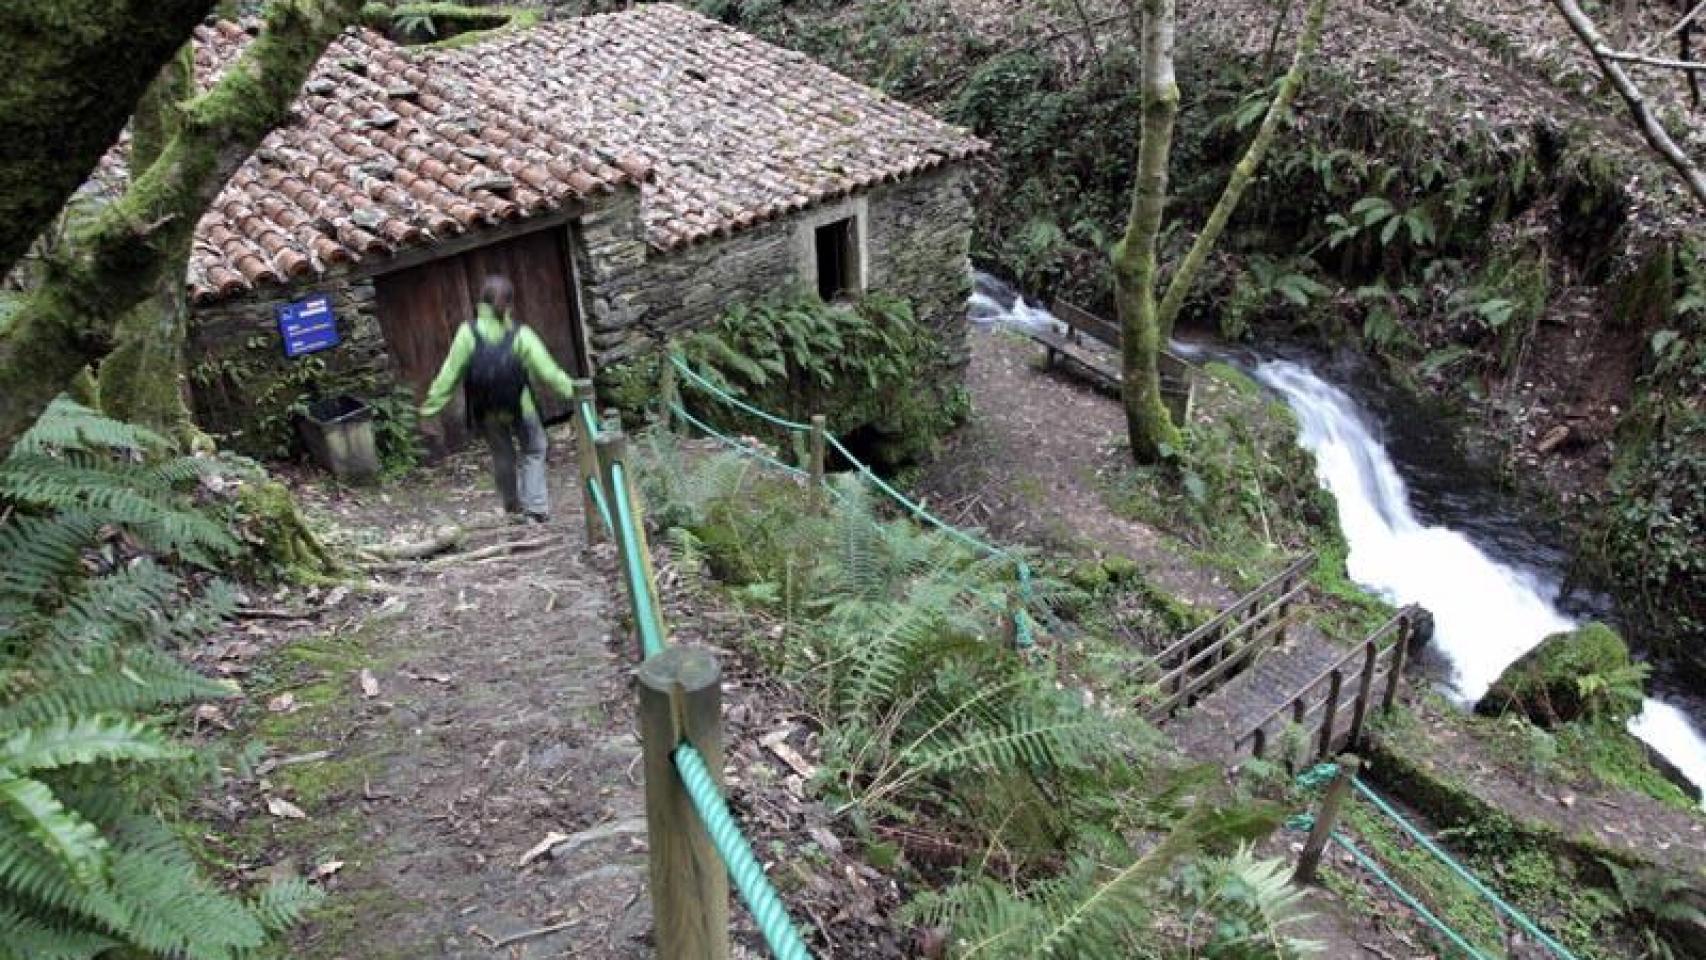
446 25
1069 818
1565 883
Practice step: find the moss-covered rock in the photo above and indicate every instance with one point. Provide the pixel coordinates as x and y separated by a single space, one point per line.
1580 674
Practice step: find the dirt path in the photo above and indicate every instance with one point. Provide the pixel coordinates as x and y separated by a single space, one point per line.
424 740
497 713
1028 465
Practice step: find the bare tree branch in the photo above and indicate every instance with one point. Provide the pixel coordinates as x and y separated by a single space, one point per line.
1624 56
1651 129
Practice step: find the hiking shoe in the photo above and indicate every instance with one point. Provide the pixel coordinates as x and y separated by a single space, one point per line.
516 518
539 518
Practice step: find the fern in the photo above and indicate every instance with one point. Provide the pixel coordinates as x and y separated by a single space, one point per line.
98 520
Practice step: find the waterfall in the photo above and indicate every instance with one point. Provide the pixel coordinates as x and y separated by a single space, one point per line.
1486 613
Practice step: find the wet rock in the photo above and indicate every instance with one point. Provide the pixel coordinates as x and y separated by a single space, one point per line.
1579 674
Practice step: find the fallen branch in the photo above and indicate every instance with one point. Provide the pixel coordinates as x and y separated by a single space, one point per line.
1654 133
495 550
444 538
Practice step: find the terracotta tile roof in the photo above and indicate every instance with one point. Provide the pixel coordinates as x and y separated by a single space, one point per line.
382 155
390 149
739 131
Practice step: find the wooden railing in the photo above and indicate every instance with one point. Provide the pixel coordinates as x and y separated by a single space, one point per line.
1317 710
1233 639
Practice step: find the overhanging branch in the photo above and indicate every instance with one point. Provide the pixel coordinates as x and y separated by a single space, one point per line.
1651 130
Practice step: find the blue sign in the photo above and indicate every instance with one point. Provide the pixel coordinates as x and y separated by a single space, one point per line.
308 325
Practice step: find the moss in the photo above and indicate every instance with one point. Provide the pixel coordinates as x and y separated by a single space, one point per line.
1584 673
284 544
1232 377
1645 299
446 25
1089 576
1611 754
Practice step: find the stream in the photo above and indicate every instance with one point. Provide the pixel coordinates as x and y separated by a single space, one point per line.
1487 572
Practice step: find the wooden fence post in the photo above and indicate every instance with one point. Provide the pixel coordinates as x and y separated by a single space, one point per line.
1329 712
681 700
1325 820
1399 650
819 431
613 449
1365 689
669 395
590 472
1258 742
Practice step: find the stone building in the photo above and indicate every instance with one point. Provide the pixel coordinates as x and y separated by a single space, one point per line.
634 173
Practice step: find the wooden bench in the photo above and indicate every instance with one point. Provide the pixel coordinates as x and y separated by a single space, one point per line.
1093 346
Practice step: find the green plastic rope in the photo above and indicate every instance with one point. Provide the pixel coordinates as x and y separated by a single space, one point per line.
1414 904
744 869
1023 632
589 419
597 490
742 448
735 401
646 615
1318 776
1474 882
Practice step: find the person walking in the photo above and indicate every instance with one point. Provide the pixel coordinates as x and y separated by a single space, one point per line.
492 358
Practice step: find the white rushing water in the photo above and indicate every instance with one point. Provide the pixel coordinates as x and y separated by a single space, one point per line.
1486 613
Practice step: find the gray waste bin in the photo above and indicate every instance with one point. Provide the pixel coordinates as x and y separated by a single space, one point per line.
339 433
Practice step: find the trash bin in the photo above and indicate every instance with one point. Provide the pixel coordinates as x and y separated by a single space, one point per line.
339 433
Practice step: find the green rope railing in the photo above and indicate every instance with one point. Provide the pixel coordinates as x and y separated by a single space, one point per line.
745 871
1409 900
739 447
1517 916
1323 773
1024 634
747 874
648 618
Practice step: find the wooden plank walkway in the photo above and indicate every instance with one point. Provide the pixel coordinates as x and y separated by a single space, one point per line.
1209 730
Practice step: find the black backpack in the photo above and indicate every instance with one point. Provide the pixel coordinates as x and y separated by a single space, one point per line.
495 379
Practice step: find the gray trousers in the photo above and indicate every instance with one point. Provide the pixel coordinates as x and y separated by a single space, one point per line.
521 485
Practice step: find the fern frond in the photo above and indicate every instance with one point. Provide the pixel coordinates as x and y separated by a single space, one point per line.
31 937
83 682
67 837
108 494
84 740
39 553
67 425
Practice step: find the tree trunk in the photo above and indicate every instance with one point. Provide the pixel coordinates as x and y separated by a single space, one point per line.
141 381
109 268
70 72
1244 172
1148 425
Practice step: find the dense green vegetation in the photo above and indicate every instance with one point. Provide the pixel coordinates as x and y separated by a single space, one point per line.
870 369
1070 823
104 541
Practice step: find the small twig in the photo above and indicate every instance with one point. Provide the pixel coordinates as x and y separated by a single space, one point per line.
499 944
269 613
1661 62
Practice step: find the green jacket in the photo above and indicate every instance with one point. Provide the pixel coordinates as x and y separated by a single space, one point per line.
535 359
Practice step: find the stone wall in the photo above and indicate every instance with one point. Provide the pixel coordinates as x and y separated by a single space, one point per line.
242 385
917 237
916 233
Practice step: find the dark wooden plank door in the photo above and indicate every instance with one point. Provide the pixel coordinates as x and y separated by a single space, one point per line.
421 307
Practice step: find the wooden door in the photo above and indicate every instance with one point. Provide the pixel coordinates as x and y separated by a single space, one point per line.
421 307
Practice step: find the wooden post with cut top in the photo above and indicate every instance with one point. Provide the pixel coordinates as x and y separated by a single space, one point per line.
1395 675
590 473
630 538
681 702
669 395
1325 820
819 432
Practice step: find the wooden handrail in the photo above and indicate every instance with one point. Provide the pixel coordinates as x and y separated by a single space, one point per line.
1293 570
1213 673
1371 652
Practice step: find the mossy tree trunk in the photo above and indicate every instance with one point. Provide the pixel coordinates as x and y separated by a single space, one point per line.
1148 425
70 71
141 380
107 269
1145 324
1279 110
